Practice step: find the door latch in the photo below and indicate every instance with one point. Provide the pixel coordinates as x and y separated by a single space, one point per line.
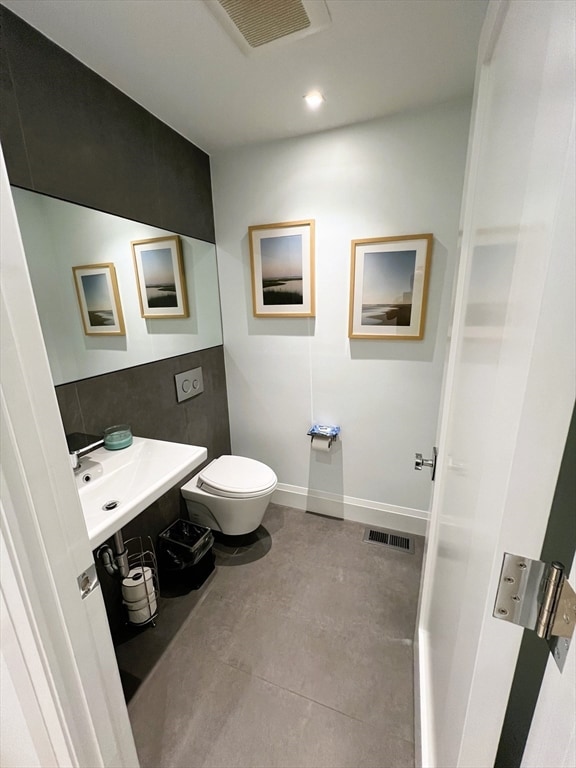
87 581
537 596
420 463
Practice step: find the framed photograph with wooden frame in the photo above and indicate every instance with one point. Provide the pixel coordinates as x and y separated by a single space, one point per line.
282 265
389 287
160 277
99 300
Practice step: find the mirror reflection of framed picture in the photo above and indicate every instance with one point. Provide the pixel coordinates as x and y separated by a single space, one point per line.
160 277
99 300
389 287
282 264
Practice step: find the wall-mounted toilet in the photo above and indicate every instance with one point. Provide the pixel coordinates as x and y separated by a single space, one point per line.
230 494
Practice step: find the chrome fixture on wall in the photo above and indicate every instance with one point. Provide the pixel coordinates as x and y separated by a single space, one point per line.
420 462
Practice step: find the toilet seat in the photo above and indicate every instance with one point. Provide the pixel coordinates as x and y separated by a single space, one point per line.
237 477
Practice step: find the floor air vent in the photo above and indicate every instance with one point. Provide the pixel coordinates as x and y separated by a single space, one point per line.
391 539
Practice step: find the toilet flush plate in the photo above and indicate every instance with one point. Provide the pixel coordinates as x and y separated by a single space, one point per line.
189 384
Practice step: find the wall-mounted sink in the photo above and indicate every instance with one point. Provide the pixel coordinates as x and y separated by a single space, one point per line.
115 486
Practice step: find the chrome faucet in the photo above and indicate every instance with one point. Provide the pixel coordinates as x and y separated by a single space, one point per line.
79 445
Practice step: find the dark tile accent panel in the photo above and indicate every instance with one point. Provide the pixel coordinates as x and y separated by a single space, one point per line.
184 188
145 398
87 142
70 410
10 127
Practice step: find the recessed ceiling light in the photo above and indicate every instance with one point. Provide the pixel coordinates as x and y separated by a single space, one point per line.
314 99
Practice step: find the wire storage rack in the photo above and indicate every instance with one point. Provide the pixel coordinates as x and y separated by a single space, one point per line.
141 588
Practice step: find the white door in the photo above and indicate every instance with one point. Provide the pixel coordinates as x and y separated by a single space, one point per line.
510 380
552 737
61 693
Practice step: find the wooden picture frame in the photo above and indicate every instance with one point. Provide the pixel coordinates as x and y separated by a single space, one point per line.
160 277
389 287
99 299
282 268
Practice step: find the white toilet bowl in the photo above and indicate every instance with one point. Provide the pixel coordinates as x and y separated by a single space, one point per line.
230 494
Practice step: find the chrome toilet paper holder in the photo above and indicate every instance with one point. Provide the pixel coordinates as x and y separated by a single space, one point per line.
324 431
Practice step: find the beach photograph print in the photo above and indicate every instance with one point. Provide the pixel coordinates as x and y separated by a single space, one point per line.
160 276
282 270
99 300
282 264
389 282
387 286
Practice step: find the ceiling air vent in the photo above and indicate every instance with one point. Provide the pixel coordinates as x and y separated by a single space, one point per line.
257 24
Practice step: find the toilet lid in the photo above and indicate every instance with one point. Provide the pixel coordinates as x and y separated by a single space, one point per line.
237 476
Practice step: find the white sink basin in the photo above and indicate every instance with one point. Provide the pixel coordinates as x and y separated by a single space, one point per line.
129 480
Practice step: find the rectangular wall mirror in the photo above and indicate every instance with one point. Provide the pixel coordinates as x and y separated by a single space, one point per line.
58 236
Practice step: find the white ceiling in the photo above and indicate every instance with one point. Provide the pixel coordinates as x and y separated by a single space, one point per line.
172 57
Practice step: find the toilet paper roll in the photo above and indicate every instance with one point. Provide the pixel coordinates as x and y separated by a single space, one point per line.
321 444
143 614
149 601
138 584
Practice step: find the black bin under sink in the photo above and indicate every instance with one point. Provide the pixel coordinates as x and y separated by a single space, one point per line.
185 556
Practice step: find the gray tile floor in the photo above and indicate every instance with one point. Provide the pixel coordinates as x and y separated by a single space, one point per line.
297 652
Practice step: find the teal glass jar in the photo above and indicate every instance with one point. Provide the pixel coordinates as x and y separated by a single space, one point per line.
117 437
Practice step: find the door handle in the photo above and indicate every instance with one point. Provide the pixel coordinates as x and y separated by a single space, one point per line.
420 462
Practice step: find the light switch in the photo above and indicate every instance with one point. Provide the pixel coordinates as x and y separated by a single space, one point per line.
189 384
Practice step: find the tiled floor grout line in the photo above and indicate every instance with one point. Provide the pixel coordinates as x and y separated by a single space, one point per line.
226 699
211 589
306 698
208 590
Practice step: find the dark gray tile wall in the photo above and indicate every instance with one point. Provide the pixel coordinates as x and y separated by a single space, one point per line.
145 398
68 133
13 146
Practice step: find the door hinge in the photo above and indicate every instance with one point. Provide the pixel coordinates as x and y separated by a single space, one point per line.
537 596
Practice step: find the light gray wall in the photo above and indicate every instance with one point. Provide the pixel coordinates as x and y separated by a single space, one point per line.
396 176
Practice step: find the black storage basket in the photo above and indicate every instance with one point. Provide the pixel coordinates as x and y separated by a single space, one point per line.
185 555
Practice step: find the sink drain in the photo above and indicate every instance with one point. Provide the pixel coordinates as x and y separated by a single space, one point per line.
110 505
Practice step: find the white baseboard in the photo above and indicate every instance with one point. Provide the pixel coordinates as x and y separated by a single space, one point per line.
349 508
425 751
